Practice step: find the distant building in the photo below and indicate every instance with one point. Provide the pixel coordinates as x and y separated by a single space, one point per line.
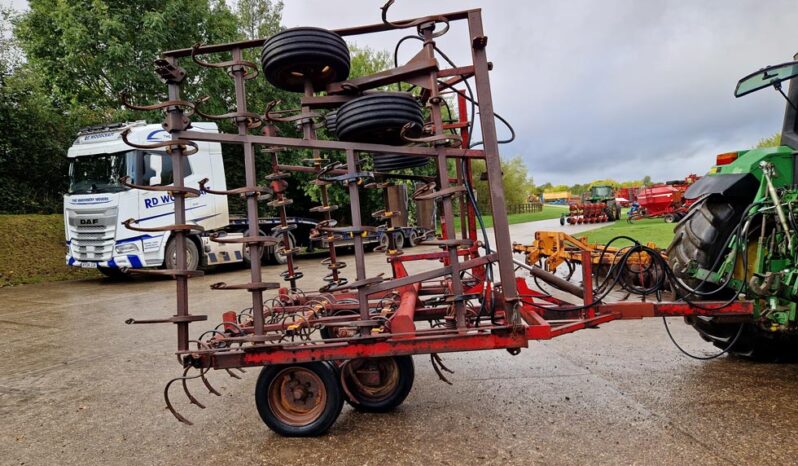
559 197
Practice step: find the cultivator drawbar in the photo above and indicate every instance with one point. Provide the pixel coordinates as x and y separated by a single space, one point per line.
351 339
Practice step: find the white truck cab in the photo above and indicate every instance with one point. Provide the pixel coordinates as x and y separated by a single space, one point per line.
97 203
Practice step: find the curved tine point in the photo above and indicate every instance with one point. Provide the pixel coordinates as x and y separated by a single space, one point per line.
169 406
440 362
437 370
208 385
241 369
191 398
233 375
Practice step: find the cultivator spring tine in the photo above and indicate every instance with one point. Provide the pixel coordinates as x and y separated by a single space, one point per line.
169 406
437 364
191 398
208 385
233 374
241 369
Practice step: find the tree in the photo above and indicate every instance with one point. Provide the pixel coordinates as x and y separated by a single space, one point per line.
772 141
646 180
89 52
515 178
258 18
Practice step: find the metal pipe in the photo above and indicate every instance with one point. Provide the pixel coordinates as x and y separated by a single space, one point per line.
767 168
553 280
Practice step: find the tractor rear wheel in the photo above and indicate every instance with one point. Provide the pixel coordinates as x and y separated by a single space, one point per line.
701 237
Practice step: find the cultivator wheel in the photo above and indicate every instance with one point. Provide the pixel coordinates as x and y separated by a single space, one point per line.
391 162
301 400
379 118
331 122
297 55
377 385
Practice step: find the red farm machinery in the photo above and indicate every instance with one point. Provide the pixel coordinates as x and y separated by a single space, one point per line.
351 338
663 200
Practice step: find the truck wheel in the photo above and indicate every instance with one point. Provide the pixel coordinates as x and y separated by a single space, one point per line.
378 118
700 236
670 218
413 239
291 57
170 255
278 258
245 256
299 400
377 385
562 220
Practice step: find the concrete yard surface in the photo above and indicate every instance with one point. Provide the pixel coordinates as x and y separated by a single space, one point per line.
78 386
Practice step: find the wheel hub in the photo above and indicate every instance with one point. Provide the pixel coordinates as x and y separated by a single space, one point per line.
297 396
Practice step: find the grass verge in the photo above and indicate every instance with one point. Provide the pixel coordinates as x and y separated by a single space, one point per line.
32 250
547 213
653 230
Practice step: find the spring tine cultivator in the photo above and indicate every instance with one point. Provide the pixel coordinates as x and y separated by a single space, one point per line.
354 336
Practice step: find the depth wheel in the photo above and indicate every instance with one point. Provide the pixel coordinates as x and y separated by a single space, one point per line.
301 400
330 122
391 162
295 55
378 118
377 385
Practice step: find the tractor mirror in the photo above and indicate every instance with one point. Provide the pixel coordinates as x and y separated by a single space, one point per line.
766 77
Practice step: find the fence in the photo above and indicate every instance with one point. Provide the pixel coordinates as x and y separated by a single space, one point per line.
515 208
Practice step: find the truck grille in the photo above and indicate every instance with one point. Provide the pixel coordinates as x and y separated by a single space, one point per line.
92 233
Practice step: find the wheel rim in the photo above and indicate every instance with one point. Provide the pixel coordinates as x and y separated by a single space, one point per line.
189 260
373 379
297 396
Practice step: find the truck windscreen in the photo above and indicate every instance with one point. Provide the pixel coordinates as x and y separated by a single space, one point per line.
100 173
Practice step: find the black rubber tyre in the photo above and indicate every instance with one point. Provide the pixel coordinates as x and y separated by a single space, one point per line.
670 218
277 380
245 257
398 369
701 236
413 239
294 55
276 257
378 118
400 239
331 123
390 162
562 220
192 255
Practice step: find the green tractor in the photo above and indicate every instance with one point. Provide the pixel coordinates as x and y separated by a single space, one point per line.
739 239
599 194
605 194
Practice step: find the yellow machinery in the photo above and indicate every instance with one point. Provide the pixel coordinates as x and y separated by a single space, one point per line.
556 247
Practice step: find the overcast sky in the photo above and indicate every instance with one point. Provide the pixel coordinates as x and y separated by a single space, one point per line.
613 88
607 89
